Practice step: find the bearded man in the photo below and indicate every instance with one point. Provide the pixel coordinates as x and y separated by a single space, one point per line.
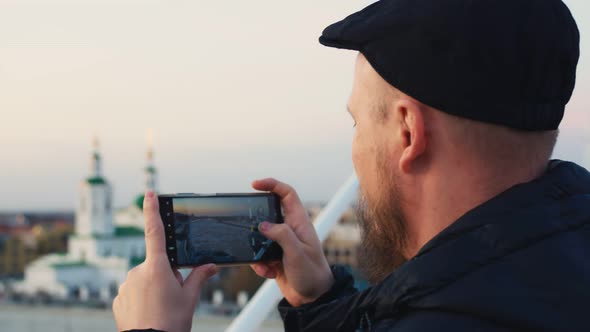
467 224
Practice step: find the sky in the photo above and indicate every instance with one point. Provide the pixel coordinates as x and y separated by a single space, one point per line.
232 91
222 206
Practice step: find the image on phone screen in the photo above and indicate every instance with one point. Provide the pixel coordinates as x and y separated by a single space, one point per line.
223 229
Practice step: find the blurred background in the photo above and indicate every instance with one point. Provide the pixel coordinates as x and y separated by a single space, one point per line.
195 96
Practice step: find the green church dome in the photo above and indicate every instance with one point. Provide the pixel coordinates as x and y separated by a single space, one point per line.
96 180
150 169
139 201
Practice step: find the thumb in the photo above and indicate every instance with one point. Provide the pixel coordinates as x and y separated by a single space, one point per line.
283 235
197 278
155 239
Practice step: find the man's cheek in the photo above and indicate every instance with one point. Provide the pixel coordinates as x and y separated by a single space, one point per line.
362 167
355 155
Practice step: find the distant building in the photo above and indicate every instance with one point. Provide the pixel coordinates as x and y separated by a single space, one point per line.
104 247
18 244
132 215
24 237
341 245
17 248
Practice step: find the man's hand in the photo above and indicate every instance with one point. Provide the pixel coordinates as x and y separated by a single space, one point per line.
304 274
154 296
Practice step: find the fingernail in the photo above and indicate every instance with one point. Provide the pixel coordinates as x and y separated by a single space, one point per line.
149 194
211 270
264 226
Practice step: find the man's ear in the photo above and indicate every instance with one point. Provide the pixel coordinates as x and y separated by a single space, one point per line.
412 132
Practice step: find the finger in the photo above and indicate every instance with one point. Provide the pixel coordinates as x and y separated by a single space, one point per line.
178 277
288 195
264 271
116 305
197 278
120 289
154 228
283 235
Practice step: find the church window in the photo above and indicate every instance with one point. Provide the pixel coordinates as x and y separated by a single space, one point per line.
114 289
136 252
107 204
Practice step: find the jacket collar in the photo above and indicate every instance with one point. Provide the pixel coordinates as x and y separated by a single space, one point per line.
504 224
562 179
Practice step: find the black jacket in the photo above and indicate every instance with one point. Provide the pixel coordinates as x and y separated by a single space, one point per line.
519 262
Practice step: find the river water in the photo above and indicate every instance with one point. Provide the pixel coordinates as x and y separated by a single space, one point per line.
21 318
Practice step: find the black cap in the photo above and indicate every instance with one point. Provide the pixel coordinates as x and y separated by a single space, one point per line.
506 62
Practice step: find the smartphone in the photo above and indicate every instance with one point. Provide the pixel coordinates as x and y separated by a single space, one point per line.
219 228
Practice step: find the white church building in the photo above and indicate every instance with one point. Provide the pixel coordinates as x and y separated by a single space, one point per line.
105 245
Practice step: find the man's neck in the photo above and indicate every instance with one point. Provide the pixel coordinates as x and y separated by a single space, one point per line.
447 196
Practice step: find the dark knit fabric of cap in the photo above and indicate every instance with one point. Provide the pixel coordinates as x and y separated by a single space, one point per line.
506 62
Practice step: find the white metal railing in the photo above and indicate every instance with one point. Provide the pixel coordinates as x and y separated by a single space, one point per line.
268 295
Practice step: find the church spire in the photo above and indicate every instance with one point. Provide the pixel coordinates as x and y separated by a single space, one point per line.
95 167
150 169
94 214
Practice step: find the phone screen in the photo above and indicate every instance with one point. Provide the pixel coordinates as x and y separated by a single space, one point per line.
221 229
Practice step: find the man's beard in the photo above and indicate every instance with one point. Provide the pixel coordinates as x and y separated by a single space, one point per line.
383 235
